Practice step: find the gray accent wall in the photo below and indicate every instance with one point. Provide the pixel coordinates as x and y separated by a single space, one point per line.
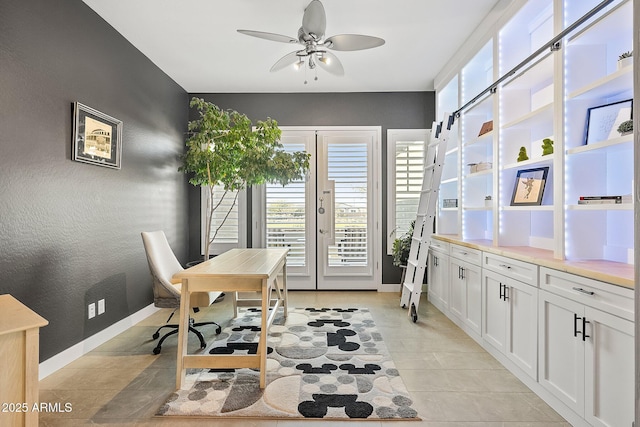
390 110
69 231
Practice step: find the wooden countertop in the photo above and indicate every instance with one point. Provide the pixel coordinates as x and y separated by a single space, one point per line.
616 273
15 316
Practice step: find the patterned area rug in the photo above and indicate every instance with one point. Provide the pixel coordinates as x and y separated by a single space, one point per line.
322 363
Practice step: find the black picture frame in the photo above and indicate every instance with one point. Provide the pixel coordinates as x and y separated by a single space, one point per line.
528 187
603 120
97 137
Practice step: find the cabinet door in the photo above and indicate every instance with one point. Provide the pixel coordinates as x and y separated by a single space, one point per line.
522 326
473 299
609 370
494 309
561 349
438 280
457 289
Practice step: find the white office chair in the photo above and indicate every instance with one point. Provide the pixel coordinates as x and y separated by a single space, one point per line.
163 264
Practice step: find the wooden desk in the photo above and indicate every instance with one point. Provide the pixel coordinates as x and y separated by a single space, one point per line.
19 343
238 270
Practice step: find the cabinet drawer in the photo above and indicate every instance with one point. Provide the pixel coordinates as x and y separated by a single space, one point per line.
439 246
470 255
518 270
600 295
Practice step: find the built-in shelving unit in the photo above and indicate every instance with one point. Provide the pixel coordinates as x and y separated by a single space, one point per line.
549 95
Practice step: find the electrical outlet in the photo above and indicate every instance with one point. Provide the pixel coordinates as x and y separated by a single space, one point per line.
92 310
101 306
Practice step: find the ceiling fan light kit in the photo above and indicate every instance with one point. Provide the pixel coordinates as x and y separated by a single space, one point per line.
315 45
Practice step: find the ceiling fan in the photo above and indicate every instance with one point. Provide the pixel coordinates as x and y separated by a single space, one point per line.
315 46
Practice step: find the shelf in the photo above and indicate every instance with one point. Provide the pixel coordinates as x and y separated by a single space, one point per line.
548 159
542 114
485 138
449 181
477 208
452 151
609 143
612 84
479 174
542 208
534 76
602 207
449 209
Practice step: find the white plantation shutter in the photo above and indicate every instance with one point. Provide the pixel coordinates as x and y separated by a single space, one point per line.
232 234
348 167
228 233
286 216
406 156
409 171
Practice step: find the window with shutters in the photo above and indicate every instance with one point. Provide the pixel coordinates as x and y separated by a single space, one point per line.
406 150
229 219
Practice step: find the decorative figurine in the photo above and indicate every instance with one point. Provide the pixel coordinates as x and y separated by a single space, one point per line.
547 146
522 155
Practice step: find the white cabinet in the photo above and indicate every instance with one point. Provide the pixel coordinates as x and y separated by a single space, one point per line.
438 275
587 352
509 313
465 293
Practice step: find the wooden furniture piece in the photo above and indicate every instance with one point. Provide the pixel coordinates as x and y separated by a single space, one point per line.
19 342
238 270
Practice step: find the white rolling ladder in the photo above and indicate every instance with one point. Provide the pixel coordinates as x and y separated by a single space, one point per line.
423 228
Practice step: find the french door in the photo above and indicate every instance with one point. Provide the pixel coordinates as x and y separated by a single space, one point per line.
330 220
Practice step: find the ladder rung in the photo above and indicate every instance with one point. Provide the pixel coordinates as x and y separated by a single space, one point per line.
428 190
430 167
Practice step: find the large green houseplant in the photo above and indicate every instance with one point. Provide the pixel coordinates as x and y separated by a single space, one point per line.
224 148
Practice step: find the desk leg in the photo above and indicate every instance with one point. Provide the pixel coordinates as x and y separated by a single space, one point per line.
284 289
183 333
262 345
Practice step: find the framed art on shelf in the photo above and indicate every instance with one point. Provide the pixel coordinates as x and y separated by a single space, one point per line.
603 120
97 137
529 187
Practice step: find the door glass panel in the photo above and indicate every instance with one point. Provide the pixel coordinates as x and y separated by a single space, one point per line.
348 167
286 217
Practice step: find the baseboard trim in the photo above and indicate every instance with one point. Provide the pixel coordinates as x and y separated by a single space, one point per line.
67 356
389 287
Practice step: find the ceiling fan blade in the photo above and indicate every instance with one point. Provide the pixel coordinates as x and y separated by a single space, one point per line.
314 20
285 61
269 36
330 63
353 42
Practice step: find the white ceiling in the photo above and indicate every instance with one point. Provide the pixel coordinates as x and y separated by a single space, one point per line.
196 43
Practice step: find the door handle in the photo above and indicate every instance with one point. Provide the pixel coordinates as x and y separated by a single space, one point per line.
506 294
501 291
462 272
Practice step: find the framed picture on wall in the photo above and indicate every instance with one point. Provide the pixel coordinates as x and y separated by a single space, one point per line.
529 187
97 137
603 120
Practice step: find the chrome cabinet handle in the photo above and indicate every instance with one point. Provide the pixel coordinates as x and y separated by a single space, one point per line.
582 291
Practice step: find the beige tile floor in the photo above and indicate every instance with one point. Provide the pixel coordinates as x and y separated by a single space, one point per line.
452 380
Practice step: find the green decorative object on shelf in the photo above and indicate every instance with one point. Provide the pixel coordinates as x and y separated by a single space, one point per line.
547 146
522 155
625 127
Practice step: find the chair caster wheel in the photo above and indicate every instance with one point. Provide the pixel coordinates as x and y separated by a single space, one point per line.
156 336
157 350
218 330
